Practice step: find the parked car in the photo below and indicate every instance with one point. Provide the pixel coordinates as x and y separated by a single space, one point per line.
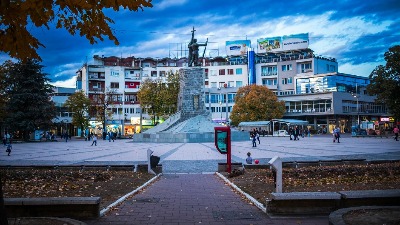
281 133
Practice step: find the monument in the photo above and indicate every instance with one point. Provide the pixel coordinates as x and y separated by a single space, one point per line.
192 122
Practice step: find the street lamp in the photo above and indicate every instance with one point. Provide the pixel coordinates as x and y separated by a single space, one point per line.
358 113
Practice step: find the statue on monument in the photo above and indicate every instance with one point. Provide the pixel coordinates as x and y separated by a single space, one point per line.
194 50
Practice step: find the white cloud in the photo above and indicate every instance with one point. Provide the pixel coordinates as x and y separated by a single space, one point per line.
168 3
70 83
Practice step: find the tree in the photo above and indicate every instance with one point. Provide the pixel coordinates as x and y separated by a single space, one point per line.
99 106
87 17
385 81
256 103
79 105
158 97
29 106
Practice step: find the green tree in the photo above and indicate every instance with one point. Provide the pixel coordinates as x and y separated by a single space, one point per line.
385 81
159 97
86 17
79 105
29 106
256 103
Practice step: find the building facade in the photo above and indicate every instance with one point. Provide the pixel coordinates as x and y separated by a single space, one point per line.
310 85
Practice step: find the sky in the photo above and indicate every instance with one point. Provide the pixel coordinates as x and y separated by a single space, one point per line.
357 33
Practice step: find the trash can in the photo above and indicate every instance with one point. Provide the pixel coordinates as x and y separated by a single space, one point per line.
154 160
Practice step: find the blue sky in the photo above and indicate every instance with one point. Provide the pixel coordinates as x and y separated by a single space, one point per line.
357 33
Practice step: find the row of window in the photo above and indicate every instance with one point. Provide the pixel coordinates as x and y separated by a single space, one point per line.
226 84
267 82
221 72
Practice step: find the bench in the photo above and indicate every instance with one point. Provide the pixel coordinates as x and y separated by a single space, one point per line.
70 207
303 203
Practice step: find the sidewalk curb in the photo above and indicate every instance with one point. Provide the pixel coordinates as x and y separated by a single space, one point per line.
249 197
123 198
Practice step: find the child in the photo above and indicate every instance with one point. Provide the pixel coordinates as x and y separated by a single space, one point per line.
9 147
249 160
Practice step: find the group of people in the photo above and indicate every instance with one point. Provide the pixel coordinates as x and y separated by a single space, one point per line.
295 132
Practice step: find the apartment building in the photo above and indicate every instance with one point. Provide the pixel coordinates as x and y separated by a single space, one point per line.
310 85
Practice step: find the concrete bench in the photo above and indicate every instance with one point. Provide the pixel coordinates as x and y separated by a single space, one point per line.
70 207
303 203
370 197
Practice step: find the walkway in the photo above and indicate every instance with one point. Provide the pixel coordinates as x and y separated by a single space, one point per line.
193 199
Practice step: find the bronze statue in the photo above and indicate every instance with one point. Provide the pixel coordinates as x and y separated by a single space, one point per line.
194 50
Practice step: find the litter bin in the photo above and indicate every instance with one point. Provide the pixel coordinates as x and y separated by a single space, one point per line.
154 160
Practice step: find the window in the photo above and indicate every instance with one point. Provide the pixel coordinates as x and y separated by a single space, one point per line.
269 82
114 85
213 84
153 73
288 80
162 73
221 72
239 71
287 67
306 67
239 83
268 71
231 83
213 73
221 84
230 71
332 68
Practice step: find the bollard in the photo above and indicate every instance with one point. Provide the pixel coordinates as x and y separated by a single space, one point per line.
149 170
276 164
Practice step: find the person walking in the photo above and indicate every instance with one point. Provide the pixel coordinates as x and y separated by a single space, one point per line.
9 148
253 137
258 137
336 134
396 133
94 140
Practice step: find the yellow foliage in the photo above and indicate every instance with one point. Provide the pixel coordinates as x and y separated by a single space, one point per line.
86 16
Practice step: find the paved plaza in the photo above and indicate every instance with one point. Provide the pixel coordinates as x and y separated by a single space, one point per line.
198 157
187 193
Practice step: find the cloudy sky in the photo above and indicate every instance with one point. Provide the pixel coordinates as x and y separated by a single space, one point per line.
357 33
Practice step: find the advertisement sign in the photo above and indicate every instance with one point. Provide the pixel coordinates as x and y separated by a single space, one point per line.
285 43
295 41
273 44
237 47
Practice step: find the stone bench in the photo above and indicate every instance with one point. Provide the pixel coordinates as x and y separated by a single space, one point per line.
370 197
303 203
70 207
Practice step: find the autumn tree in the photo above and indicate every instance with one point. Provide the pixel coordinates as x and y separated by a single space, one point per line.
256 103
84 17
385 81
27 91
79 105
159 97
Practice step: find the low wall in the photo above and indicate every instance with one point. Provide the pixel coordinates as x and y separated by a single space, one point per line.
186 137
70 207
323 203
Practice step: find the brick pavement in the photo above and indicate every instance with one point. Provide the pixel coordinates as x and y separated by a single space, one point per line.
193 199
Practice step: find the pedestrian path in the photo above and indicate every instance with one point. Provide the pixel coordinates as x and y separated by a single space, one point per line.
193 199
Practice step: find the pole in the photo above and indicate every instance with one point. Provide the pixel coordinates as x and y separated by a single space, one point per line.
226 106
228 155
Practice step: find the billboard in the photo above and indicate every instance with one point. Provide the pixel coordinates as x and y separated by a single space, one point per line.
237 47
284 43
273 44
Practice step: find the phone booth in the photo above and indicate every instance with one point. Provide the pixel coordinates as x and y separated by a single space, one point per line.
223 144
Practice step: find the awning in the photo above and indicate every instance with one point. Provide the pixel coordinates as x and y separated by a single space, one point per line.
254 124
291 121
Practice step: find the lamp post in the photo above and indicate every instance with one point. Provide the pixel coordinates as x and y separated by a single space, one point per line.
358 112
